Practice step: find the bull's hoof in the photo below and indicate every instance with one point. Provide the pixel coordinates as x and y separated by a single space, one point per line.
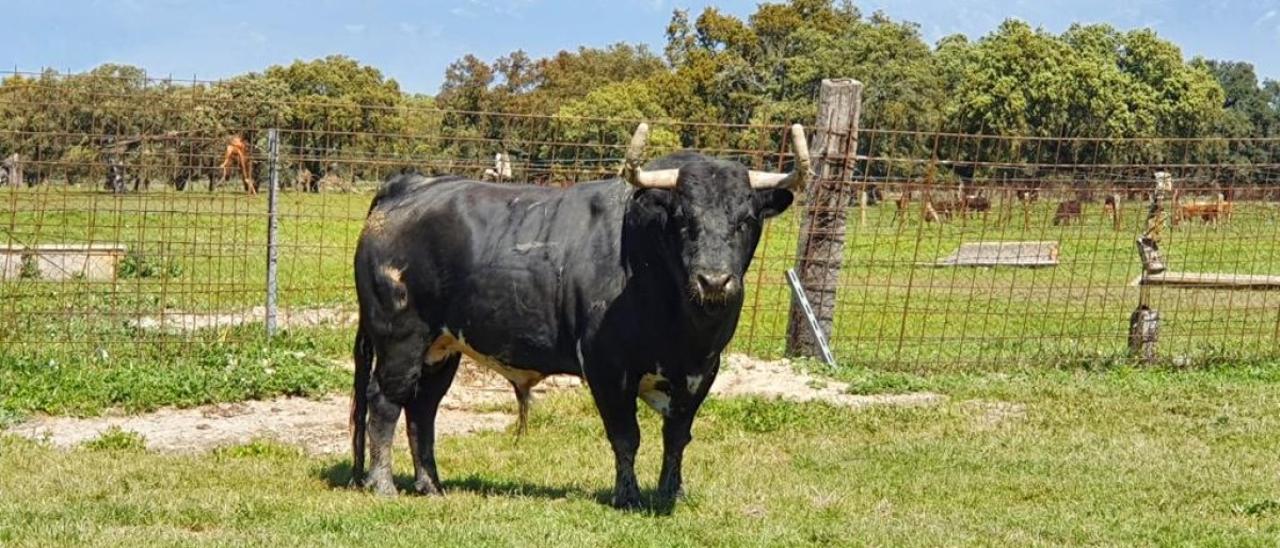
426 488
381 488
626 501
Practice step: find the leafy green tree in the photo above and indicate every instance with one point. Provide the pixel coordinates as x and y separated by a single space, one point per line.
336 104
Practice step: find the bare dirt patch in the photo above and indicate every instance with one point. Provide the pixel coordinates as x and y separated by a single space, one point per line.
747 376
479 401
180 322
319 426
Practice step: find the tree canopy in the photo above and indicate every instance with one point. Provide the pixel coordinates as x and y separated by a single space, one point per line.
716 68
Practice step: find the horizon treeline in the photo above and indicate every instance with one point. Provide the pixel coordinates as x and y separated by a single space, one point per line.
1090 81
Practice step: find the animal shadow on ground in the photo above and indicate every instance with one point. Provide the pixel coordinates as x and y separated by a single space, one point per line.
338 476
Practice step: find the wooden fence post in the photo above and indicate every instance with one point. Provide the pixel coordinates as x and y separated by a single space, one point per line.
820 249
1144 323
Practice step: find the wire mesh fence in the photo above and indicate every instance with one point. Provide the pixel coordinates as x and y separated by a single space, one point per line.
128 226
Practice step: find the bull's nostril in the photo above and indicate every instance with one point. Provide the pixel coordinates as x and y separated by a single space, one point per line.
715 283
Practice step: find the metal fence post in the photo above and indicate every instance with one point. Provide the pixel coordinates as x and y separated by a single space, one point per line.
273 227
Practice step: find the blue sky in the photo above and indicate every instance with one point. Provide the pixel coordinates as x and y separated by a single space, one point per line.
414 41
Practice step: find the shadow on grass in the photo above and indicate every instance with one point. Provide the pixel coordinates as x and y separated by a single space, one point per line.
338 476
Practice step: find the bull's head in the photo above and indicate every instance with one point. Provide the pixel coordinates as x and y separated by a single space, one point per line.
708 214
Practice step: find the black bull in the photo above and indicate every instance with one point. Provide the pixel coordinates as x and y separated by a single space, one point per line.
635 287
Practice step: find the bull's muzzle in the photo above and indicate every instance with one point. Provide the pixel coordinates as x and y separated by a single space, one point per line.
716 287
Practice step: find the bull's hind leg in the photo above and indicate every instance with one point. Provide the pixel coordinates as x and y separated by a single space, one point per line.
395 380
524 398
420 415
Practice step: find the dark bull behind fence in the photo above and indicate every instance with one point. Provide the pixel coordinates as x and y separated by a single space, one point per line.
634 284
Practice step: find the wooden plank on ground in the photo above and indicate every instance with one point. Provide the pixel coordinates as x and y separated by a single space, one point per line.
1003 254
1212 280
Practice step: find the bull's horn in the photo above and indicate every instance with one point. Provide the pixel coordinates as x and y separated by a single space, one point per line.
795 180
631 171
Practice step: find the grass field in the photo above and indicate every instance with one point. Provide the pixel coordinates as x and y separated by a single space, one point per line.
1048 435
1038 457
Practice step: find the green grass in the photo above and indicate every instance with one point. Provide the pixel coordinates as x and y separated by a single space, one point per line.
1116 457
116 439
296 363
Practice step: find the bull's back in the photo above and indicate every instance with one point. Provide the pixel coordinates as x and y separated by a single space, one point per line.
500 266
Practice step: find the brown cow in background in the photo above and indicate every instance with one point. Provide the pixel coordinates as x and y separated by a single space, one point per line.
239 149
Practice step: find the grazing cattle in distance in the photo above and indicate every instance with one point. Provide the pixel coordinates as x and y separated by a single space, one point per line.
634 284
874 195
938 211
1067 212
116 176
238 149
903 201
977 203
1209 212
1111 209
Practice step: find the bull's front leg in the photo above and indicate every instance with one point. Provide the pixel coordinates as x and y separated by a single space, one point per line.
677 428
677 432
420 416
616 400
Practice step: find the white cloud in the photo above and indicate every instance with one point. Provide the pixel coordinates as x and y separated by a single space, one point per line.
1266 17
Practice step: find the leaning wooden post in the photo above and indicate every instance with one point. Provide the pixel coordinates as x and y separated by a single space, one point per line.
1144 323
820 249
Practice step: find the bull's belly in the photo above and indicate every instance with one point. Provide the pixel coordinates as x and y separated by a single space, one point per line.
524 367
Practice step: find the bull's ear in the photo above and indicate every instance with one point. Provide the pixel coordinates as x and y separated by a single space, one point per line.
772 201
654 205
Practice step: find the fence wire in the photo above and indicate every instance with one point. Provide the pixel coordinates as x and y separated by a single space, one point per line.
120 233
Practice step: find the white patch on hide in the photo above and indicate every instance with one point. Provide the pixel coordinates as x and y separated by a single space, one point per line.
448 344
694 383
658 400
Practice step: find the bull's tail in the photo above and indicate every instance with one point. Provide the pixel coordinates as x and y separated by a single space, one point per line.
363 355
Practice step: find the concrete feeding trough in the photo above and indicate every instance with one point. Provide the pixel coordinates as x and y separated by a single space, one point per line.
1028 254
61 262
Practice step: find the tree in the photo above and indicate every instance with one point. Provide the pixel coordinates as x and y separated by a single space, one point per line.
335 104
